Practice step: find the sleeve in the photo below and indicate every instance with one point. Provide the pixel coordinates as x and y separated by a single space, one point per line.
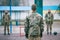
26 27
2 20
9 17
41 24
45 16
52 18
3 16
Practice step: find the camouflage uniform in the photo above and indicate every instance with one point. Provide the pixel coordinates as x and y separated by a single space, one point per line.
6 22
49 21
34 21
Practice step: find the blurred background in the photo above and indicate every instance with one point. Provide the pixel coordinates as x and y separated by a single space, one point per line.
19 9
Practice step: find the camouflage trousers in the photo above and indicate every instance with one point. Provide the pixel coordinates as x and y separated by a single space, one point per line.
34 38
6 27
49 28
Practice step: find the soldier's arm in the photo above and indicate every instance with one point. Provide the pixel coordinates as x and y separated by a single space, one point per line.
25 24
9 17
52 16
41 24
3 20
26 27
45 16
3 16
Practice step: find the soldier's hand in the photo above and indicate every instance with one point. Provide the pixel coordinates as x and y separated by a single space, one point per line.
26 35
41 34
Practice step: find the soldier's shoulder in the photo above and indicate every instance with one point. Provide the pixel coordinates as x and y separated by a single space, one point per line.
3 15
39 15
27 17
8 15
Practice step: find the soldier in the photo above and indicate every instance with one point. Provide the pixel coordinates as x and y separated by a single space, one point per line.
49 21
6 22
34 25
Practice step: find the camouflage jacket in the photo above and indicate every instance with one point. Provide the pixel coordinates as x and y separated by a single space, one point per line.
6 18
49 18
34 20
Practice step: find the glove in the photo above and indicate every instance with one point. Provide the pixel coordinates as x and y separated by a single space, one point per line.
26 35
41 33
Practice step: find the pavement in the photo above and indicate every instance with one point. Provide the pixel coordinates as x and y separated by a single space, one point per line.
16 35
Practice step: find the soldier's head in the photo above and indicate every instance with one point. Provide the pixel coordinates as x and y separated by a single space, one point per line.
33 7
6 12
49 11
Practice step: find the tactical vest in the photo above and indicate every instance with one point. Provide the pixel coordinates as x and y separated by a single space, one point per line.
6 18
48 17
